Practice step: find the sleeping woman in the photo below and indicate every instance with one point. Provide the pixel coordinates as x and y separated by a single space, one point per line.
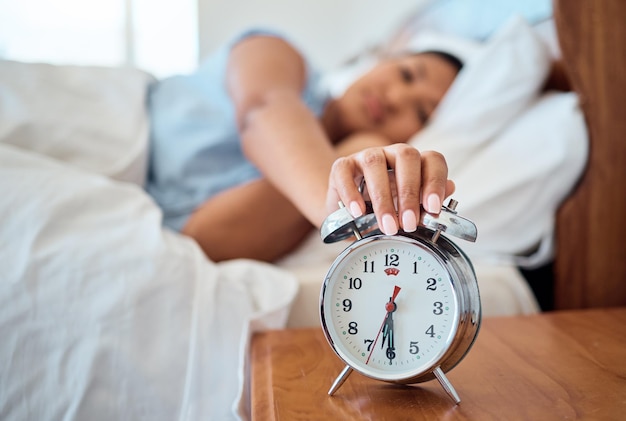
250 151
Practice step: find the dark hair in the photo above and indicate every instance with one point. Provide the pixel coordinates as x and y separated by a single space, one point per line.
452 59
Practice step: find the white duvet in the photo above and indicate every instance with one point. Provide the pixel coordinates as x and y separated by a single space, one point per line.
103 313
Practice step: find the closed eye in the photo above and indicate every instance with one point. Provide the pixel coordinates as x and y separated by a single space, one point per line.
406 74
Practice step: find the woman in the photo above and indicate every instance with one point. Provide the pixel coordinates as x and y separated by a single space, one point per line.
249 152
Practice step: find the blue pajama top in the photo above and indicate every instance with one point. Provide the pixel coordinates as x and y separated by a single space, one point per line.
195 148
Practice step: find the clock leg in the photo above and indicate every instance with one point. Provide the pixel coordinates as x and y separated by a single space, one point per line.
447 386
340 379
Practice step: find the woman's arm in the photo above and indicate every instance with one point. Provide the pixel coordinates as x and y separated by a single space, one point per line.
264 219
255 220
283 138
280 135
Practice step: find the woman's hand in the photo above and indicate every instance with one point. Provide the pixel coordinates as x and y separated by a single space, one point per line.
419 177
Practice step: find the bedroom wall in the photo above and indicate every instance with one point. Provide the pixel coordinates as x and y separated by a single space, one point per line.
330 31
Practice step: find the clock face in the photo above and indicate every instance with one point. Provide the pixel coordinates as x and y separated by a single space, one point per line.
389 307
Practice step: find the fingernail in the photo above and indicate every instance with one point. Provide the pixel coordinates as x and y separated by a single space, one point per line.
433 203
355 210
409 221
389 224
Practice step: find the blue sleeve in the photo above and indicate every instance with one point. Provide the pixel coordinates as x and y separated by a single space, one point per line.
195 148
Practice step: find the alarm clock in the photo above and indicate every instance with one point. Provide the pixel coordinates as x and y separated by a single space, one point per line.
401 308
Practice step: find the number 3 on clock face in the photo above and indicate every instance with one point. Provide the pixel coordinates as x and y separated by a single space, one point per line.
389 308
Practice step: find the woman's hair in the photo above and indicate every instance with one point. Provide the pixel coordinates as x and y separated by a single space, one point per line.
452 59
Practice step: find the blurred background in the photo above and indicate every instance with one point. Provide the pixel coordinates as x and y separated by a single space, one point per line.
166 37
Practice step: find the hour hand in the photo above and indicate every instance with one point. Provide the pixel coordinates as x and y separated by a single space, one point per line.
388 336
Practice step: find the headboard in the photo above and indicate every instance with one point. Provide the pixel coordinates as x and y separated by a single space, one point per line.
590 265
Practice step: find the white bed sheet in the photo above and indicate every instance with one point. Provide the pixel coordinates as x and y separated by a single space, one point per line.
103 313
106 315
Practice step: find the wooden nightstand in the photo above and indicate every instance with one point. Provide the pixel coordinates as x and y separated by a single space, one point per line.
562 365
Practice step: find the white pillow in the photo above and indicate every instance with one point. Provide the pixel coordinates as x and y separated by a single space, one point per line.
513 153
93 118
512 187
495 85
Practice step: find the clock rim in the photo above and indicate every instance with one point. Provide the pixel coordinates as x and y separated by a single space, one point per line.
464 285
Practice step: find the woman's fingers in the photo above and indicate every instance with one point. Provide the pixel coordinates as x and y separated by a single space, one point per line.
343 186
375 164
417 177
434 181
406 162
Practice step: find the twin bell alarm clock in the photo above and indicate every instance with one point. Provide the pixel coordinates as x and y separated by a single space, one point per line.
401 308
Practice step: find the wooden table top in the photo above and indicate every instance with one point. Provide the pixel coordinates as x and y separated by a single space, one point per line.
561 365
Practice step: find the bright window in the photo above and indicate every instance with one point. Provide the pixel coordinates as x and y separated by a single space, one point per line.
102 32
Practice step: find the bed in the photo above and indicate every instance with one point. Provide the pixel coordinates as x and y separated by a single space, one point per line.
105 315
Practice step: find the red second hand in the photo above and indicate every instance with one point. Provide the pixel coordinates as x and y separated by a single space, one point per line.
389 307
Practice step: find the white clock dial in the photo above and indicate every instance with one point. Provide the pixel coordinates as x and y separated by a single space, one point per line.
389 307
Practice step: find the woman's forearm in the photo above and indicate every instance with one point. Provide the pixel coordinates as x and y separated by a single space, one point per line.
279 134
255 220
285 141
251 221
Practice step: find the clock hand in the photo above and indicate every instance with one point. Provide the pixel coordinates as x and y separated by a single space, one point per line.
390 336
390 306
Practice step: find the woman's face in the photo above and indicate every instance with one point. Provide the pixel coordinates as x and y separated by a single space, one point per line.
396 97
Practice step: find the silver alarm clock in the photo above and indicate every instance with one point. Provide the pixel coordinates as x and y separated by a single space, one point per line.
401 308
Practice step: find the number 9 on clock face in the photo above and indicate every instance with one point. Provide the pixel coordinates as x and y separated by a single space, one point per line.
390 308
